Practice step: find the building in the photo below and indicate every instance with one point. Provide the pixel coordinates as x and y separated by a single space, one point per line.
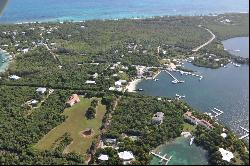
14 77
226 155
118 84
158 118
110 141
41 90
103 157
73 100
188 115
126 156
90 82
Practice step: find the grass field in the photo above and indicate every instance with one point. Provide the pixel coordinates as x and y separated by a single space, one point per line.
74 124
188 127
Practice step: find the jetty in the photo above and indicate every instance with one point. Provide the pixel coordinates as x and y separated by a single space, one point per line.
163 158
246 135
216 111
175 81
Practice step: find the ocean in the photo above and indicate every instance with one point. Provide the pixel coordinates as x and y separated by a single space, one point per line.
59 10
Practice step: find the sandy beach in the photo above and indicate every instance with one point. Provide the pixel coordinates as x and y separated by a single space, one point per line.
132 85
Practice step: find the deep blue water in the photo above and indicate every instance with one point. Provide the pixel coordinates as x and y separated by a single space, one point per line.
51 10
224 88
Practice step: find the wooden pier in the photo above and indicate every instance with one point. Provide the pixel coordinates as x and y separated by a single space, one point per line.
246 135
163 158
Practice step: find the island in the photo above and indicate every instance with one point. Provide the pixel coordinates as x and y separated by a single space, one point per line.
67 94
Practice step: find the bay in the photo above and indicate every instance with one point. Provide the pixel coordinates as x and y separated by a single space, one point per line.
226 88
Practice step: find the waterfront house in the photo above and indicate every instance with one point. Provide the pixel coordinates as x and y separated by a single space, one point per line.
73 100
41 90
188 115
158 118
126 157
226 155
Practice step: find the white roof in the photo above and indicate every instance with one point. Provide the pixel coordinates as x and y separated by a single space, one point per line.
42 90
226 155
14 77
34 101
103 157
224 135
90 82
118 83
126 155
112 88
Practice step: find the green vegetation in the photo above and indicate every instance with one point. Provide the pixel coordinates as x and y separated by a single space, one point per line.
64 56
75 124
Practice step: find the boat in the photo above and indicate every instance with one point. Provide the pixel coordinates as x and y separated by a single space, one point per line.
175 81
237 65
140 89
156 79
191 141
236 50
200 77
181 81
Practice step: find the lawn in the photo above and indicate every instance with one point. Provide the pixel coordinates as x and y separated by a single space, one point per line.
188 127
74 124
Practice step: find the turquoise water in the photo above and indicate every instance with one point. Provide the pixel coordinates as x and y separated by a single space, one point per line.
51 10
182 153
224 88
3 66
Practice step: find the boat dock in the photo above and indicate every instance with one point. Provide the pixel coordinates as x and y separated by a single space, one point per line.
216 111
246 135
163 158
175 79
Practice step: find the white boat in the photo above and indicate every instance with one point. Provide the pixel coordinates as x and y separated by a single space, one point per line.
156 79
191 141
237 65
200 77
236 50
175 81
181 81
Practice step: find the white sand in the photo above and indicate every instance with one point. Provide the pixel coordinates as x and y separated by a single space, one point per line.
132 85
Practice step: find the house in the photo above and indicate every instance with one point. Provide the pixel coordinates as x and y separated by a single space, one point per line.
188 115
126 156
14 77
158 118
226 155
103 157
90 82
41 90
25 50
95 75
73 100
118 84
110 141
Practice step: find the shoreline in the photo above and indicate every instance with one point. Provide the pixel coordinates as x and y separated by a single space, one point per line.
4 54
62 19
131 87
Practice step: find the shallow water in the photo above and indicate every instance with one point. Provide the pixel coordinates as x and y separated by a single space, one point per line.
51 10
182 153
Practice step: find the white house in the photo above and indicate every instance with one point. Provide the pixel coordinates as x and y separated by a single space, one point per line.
103 157
90 82
41 90
126 156
25 50
226 155
118 84
14 77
